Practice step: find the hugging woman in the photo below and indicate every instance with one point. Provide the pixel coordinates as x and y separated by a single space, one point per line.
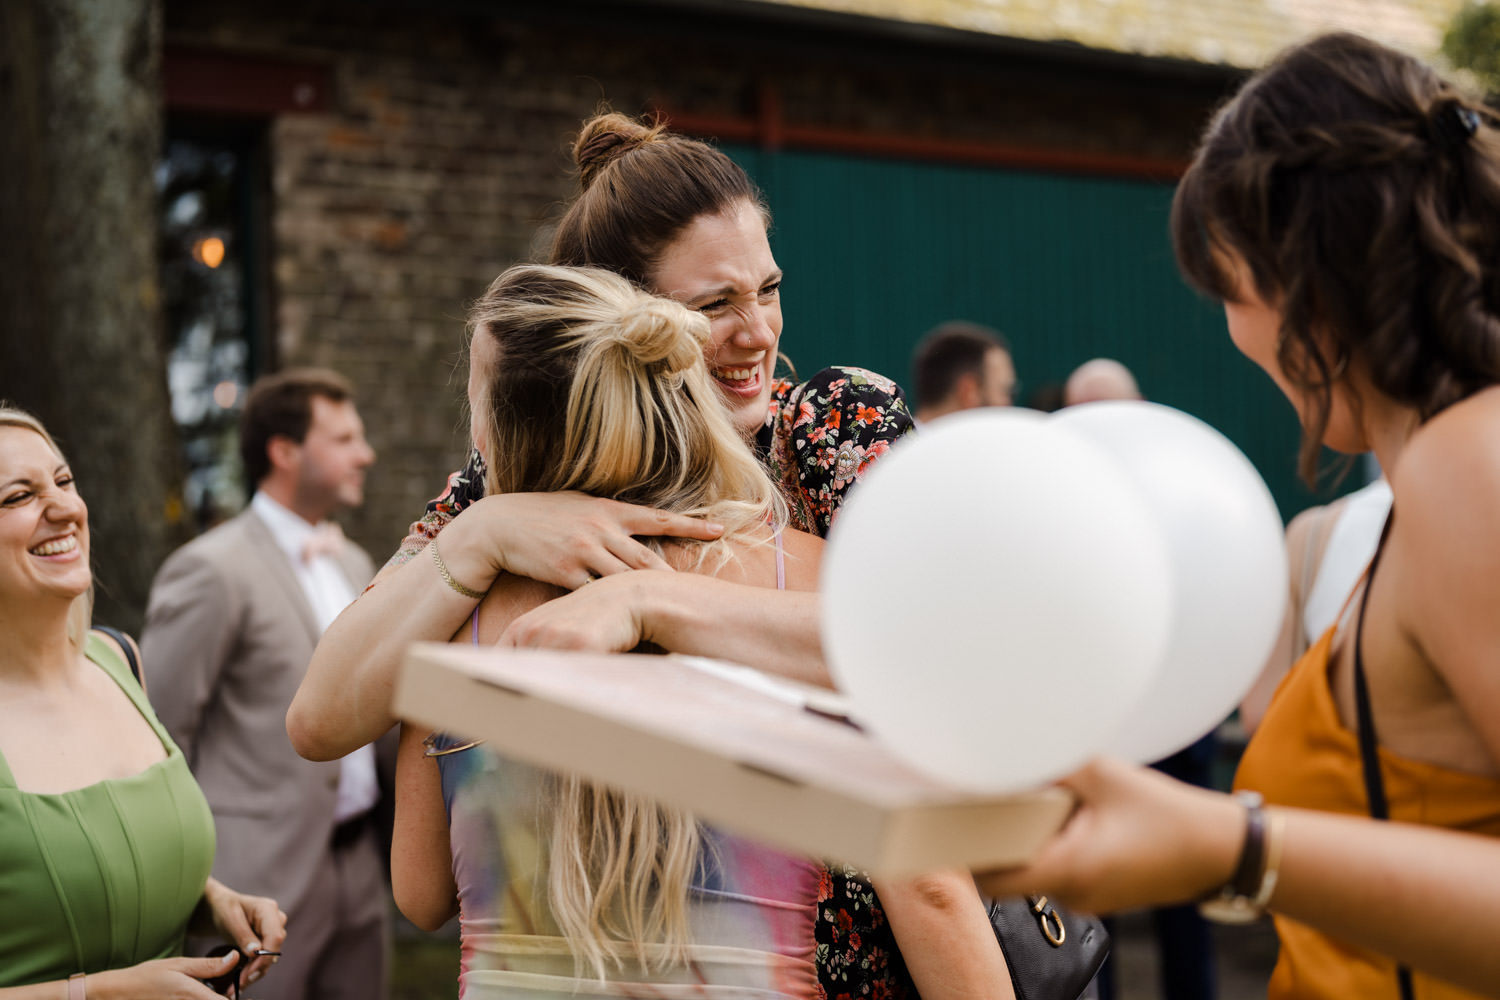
678 218
584 382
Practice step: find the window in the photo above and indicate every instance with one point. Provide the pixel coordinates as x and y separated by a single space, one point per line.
210 184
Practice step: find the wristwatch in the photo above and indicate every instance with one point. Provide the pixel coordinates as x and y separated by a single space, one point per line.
1243 898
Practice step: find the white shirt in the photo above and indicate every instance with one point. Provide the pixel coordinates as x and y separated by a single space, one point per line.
328 592
1351 545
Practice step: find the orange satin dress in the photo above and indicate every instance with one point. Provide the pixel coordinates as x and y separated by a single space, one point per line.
1302 755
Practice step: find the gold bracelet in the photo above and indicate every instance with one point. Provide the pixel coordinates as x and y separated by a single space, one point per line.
458 588
1275 842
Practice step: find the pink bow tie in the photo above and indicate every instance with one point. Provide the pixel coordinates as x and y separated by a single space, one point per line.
326 540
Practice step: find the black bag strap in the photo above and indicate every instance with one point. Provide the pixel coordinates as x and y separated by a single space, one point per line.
1369 758
124 642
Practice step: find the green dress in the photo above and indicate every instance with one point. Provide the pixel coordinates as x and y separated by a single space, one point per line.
106 876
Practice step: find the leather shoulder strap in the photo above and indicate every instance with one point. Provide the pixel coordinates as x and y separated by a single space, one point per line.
125 643
1368 740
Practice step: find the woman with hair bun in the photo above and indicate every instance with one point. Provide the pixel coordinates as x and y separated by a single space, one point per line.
1345 208
680 219
582 382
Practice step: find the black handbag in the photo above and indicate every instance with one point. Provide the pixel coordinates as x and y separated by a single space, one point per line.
1052 953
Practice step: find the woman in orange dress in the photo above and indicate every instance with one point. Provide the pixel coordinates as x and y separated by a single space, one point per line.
1345 208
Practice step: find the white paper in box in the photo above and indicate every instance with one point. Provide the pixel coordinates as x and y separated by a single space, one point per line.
756 760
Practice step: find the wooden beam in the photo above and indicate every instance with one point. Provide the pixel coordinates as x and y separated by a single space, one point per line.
235 83
769 131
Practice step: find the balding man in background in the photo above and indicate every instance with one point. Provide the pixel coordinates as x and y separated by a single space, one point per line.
961 366
1184 944
1100 379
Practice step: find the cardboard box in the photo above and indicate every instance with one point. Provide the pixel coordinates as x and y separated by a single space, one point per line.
762 757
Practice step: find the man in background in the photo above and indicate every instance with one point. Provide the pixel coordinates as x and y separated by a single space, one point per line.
231 625
960 366
1100 379
1183 941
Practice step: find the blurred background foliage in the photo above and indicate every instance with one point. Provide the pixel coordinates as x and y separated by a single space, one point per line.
1472 42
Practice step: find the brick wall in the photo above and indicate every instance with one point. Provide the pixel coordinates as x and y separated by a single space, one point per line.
442 156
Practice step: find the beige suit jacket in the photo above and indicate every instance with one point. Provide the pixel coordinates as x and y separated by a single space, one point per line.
227 639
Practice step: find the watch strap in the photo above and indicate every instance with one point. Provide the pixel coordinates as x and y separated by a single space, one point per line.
1243 898
1247 874
77 986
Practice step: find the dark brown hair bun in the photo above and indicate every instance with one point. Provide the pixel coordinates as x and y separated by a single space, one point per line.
655 183
607 137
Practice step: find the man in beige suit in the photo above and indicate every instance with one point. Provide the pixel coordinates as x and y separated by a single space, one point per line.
231 626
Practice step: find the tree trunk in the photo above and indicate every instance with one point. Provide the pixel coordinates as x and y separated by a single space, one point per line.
81 341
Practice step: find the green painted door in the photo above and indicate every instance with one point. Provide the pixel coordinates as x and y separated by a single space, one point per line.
876 252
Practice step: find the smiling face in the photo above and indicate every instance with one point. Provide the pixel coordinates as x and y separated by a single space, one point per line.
44 525
722 266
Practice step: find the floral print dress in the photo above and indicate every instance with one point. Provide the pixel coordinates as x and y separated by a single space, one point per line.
819 438
822 435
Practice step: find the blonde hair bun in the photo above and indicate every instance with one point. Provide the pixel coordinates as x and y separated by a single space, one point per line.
662 333
600 387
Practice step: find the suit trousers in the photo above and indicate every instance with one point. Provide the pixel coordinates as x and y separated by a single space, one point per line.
337 942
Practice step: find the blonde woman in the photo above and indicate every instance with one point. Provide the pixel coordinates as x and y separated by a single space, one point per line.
579 381
105 840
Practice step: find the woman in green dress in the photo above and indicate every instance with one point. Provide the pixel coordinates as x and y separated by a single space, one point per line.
105 840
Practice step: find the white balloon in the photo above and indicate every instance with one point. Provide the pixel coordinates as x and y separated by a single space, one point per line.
995 598
1228 564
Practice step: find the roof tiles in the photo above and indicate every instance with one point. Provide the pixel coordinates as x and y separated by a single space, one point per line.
1240 33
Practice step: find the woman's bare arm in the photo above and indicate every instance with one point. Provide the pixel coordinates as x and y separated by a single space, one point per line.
421 857
159 979
1423 896
774 631
946 937
344 700
561 538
